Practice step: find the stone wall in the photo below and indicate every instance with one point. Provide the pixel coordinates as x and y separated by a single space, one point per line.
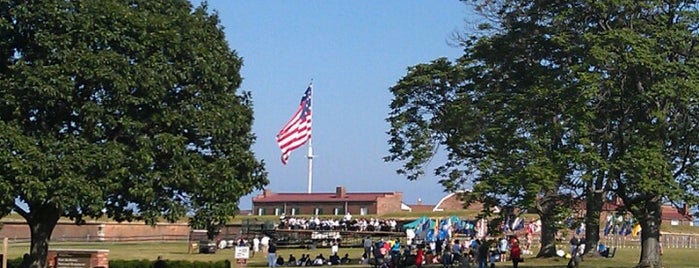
101 231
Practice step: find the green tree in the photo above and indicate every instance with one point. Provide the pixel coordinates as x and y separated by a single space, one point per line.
506 141
565 97
124 109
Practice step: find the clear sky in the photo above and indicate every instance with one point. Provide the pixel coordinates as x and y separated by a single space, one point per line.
354 51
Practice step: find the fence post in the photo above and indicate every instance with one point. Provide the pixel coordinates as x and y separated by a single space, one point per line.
4 252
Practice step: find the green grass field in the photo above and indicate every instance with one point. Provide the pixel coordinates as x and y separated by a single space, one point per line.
625 257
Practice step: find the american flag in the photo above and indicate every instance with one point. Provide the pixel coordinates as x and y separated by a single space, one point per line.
297 131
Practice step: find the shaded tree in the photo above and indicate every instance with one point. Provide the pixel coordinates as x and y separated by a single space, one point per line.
124 109
560 98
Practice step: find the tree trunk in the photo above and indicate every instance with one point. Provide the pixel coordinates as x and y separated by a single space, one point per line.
548 236
546 209
41 222
650 235
593 205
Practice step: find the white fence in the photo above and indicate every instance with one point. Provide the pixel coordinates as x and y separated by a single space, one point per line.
667 240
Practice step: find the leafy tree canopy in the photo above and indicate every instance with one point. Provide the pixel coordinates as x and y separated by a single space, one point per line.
127 109
560 94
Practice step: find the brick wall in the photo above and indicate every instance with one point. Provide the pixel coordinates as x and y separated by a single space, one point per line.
389 203
141 231
100 231
328 208
355 208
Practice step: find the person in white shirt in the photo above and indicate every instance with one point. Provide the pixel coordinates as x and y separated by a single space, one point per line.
292 223
335 248
502 248
264 244
255 245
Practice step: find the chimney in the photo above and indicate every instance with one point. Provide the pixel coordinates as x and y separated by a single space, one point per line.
685 210
267 192
340 192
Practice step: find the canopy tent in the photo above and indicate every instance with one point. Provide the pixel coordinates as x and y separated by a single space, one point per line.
421 223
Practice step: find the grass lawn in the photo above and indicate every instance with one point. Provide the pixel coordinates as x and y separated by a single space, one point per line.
625 257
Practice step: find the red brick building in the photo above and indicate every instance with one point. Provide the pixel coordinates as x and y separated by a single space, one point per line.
670 215
453 201
677 216
338 203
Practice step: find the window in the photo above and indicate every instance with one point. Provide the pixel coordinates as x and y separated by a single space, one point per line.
339 211
317 211
277 211
260 211
295 211
363 211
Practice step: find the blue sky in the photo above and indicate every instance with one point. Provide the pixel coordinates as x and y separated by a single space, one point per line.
354 51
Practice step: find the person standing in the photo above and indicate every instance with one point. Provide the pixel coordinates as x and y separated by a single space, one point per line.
502 248
515 253
456 251
255 245
367 243
420 255
395 254
334 248
272 255
483 250
574 244
264 244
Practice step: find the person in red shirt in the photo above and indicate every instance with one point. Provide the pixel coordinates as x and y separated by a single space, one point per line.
515 253
420 256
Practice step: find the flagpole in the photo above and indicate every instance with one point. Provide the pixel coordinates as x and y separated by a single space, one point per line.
310 166
310 147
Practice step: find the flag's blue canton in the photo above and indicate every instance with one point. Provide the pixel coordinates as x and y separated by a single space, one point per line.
306 102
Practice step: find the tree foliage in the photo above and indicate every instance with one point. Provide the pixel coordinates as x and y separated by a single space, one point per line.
125 109
562 98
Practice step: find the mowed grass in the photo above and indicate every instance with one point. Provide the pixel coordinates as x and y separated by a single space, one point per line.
625 257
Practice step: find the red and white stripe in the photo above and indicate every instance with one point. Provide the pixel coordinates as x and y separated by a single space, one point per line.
297 131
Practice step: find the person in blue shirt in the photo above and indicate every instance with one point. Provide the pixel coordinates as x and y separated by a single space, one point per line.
603 250
395 253
456 251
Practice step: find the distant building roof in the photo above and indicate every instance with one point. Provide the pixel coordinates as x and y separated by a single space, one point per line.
670 212
452 201
339 195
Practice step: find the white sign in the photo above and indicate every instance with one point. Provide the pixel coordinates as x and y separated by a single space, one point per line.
242 252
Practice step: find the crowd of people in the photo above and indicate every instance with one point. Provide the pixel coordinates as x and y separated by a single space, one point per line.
319 260
480 253
346 223
393 253
263 244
